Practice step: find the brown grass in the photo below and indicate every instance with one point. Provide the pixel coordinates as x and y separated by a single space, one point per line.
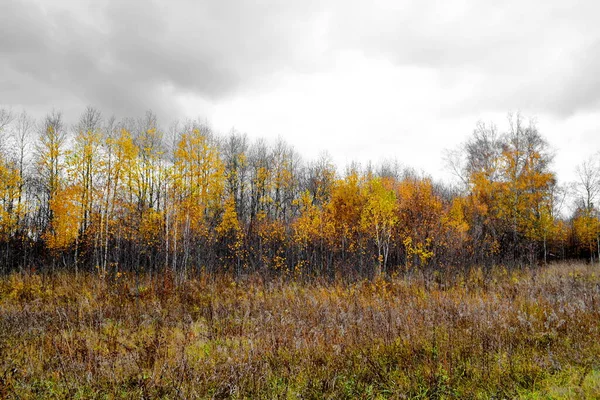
522 333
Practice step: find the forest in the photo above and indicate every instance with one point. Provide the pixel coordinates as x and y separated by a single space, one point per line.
114 196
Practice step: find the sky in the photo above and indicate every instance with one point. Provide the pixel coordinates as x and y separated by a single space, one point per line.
362 80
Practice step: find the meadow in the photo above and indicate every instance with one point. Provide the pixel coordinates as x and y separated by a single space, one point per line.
508 333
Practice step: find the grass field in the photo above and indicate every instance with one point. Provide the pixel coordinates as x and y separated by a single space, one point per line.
515 334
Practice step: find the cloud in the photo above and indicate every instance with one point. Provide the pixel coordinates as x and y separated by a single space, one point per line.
581 89
127 56
532 55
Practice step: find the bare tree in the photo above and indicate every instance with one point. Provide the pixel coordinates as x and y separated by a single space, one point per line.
49 155
22 138
483 151
389 169
6 117
588 189
454 161
87 143
319 178
235 156
588 180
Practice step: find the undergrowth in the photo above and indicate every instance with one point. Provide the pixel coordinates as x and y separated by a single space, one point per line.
512 334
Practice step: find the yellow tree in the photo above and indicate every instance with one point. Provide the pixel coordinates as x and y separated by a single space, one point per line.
344 211
312 233
81 166
527 180
455 227
544 225
67 218
231 234
152 225
9 194
106 193
586 226
10 185
420 216
198 184
510 182
379 216
561 234
118 192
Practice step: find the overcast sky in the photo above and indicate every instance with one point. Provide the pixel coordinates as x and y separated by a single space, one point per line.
367 80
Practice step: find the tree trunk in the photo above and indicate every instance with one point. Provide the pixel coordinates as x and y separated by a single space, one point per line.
545 252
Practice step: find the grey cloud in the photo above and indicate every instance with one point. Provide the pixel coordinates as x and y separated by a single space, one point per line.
128 56
581 90
139 55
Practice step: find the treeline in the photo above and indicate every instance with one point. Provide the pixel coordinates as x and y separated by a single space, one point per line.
107 196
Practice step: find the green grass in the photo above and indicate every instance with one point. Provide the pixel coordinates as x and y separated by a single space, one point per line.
572 383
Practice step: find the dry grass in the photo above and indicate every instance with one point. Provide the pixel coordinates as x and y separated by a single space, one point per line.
532 334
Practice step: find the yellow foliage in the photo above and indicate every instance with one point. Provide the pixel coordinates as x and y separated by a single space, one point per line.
67 217
198 181
455 217
309 225
229 220
422 250
151 226
9 191
587 228
379 215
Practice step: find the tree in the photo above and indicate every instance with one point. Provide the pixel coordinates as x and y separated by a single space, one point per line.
319 178
197 189
86 159
6 117
126 195
588 189
312 234
235 158
231 236
107 191
527 180
149 140
66 210
586 226
344 210
9 184
588 180
286 186
420 215
510 184
10 181
22 138
379 216
121 193
50 151
82 166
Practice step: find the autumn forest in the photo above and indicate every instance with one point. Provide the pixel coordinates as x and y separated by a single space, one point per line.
109 196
